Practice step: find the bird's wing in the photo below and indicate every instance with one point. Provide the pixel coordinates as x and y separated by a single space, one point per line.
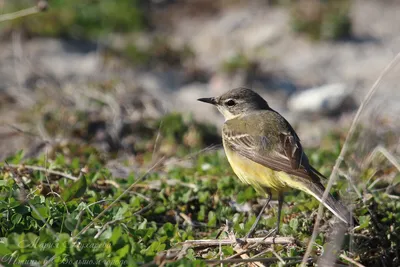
282 152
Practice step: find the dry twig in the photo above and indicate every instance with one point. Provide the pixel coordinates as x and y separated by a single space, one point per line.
242 249
343 152
264 260
344 257
87 227
20 13
42 169
224 242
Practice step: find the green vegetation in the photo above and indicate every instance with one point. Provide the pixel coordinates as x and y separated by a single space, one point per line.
79 18
236 63
43 215
329 20
158 52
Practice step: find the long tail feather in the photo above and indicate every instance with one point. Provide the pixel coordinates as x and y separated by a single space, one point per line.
317 191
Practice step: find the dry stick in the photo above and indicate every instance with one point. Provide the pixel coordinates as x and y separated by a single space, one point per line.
42 169
23 131
20 13
186 218
102 229
84 230
34 208
344 257
42 219
249 247
116 200
245 256
239 249
156 185
260 240
209 148
47 173
385 153
339 160
147 207
276 255
265 260
156 143
255 256
195 154
20 89
220 254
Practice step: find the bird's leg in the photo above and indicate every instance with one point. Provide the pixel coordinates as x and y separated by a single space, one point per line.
253 227
280 203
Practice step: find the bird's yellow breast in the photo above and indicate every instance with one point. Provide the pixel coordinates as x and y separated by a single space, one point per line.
255 174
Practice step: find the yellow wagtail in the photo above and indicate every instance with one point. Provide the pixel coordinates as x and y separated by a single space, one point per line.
265 152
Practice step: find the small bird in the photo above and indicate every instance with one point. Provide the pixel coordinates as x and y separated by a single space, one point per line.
265 152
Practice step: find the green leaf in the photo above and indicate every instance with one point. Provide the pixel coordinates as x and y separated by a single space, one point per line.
142 225
4 250
212 219
32 240
169 229
22 209
76 190
202 213
16 218
227 250
121 212
294 224
17 157
117 232
186 196
245 195
13 203
70 223
62 244
364 222
3 205
42 210
123 251
159 209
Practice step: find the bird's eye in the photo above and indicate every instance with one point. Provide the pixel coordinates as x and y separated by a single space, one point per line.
230 102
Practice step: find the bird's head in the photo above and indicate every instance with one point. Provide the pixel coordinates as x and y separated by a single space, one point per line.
237 102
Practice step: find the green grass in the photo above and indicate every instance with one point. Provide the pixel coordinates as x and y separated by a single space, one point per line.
42 215
322 19
85 19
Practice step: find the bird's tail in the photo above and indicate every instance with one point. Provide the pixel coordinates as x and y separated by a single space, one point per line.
317 191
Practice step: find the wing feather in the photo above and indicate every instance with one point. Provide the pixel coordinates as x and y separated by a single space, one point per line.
281 153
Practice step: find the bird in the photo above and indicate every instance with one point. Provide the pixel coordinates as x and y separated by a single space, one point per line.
265 152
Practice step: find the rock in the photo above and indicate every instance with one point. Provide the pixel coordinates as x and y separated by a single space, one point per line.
64 59
329 99
25 64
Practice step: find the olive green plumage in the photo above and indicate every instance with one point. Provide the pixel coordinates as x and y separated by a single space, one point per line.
265 151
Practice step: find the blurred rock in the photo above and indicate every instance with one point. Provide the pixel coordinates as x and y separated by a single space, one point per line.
330 99
65 59
185 100
27 64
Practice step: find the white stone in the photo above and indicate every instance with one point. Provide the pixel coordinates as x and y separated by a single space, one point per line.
324 100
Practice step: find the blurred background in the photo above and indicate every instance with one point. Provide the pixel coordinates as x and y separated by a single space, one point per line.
110 73
112 86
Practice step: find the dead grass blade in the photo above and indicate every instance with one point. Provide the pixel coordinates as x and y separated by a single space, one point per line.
224 242
344 150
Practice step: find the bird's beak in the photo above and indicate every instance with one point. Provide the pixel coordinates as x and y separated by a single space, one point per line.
209 100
